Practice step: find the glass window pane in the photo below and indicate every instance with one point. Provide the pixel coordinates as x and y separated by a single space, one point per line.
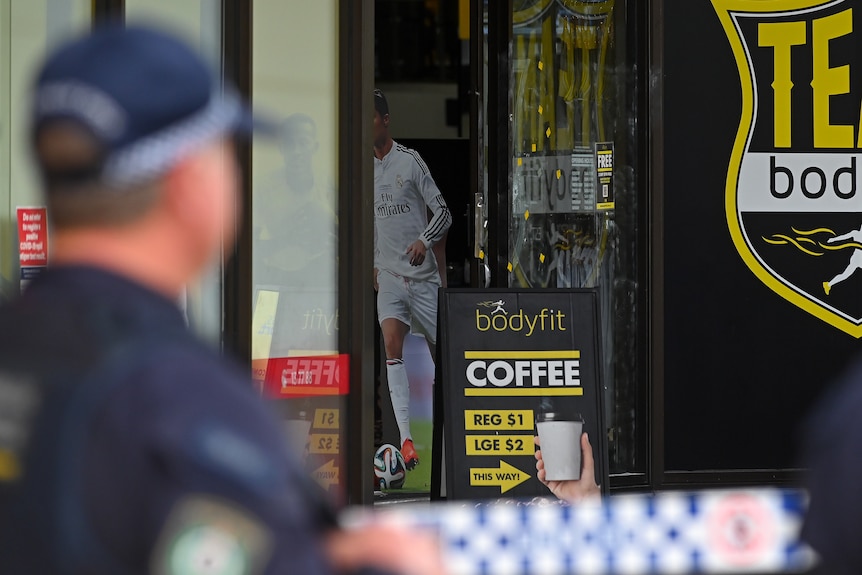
27 30
198 22
573 199
294 224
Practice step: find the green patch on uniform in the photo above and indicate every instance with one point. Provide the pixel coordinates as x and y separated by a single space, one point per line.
208 536
207 550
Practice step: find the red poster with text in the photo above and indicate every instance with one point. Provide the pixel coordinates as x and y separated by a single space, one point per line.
306 376
32 240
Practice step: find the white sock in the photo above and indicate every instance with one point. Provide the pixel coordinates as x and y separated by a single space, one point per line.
399 391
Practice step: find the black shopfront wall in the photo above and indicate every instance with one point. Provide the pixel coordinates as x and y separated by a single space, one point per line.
742 366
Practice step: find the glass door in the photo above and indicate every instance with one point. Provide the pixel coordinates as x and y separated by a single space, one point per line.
294 228
573 212
27 31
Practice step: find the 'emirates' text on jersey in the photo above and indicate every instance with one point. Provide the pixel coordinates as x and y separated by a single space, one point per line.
403 187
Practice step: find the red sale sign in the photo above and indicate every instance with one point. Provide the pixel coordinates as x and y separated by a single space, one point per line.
32 239
304 376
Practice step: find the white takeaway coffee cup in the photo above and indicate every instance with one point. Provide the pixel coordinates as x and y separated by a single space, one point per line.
560 442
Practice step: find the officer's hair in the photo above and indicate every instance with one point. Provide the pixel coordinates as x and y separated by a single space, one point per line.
98 206
69 163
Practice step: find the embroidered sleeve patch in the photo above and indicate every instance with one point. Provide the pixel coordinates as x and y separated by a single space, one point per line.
204 535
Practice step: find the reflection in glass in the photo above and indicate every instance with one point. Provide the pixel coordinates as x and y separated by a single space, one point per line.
573 198
294 232
199 23
294 220
27 30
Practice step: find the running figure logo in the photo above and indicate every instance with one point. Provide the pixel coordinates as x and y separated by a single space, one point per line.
855 257
808 243
497 305
825 251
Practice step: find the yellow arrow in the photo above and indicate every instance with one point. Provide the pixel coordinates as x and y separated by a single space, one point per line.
506 476
326 475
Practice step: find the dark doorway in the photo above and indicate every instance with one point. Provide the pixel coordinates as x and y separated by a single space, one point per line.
422 65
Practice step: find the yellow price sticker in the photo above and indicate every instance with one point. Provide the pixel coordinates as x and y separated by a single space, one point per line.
323 443
496 419
326 419
500 445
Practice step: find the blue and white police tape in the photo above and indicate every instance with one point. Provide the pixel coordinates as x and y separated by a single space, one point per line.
719 531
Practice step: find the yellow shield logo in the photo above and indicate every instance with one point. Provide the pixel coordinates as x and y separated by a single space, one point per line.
792 201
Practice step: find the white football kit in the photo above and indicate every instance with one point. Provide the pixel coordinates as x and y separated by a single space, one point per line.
404 191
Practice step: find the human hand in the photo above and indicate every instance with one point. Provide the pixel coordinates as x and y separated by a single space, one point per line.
376 285
390 548
416 251
575 489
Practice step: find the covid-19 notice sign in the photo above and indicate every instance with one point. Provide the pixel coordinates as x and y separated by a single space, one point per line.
505 357
32 241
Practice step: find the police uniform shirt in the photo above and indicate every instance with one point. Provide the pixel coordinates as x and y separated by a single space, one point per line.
184 459
403 192
832 442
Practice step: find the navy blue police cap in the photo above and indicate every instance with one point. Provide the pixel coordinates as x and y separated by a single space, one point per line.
146 97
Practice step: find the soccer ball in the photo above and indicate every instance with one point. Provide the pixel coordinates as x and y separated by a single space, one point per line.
389 467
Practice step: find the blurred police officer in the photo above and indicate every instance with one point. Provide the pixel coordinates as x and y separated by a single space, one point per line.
126 445
831 447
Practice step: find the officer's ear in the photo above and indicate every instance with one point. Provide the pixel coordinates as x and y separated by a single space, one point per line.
183 189
200 194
